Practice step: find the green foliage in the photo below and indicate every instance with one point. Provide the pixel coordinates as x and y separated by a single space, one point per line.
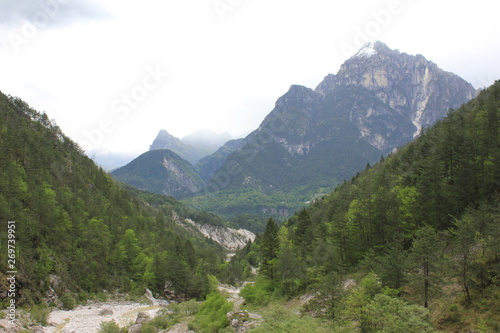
327 299
148 328
392 315
164 322
68 301
175 313
303 235
39 314
109 327
372 308
258 293
269 250
279 318
77 223
427 262
211 316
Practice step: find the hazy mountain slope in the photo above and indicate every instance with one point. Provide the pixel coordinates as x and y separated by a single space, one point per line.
160 171
109 160
164 140
207 140
208 165
192 147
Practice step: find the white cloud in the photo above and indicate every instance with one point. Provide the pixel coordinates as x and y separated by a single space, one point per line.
223 74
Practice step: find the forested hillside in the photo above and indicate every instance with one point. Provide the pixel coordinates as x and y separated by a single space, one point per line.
160 171
79 232
408 244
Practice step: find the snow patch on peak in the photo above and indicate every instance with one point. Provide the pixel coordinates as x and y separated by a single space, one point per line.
367 50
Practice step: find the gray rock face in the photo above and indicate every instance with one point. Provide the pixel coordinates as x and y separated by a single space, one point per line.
137 328
412 86
379 97
229 238
179 176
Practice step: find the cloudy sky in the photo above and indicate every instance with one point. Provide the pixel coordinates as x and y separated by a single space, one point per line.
113 73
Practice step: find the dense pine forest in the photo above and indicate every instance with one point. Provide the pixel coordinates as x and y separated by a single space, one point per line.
78 231
409 244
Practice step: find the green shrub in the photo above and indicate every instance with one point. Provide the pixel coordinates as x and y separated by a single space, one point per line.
258 293
68 301
190 307
101 297
148 328
109 327
394 315
453 314
279 318
164 321
211 316
39 314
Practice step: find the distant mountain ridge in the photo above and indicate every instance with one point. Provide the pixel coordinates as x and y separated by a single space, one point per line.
192 147
312 140
165 140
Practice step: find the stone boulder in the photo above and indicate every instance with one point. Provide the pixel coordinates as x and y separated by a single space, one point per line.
142 318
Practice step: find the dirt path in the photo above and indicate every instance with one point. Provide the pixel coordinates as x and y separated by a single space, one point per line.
88 318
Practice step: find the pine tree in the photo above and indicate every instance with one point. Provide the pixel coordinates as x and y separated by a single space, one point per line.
269 250
465 238
426 259
303 235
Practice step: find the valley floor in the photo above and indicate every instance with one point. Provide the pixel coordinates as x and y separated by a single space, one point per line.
88 318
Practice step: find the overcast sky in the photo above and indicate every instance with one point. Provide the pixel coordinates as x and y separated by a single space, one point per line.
113 73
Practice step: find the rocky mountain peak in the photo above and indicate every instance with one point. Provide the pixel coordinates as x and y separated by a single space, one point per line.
412 86
297 94
164 140
372 48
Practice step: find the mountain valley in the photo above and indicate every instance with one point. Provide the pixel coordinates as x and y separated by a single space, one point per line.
313 140
368 204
